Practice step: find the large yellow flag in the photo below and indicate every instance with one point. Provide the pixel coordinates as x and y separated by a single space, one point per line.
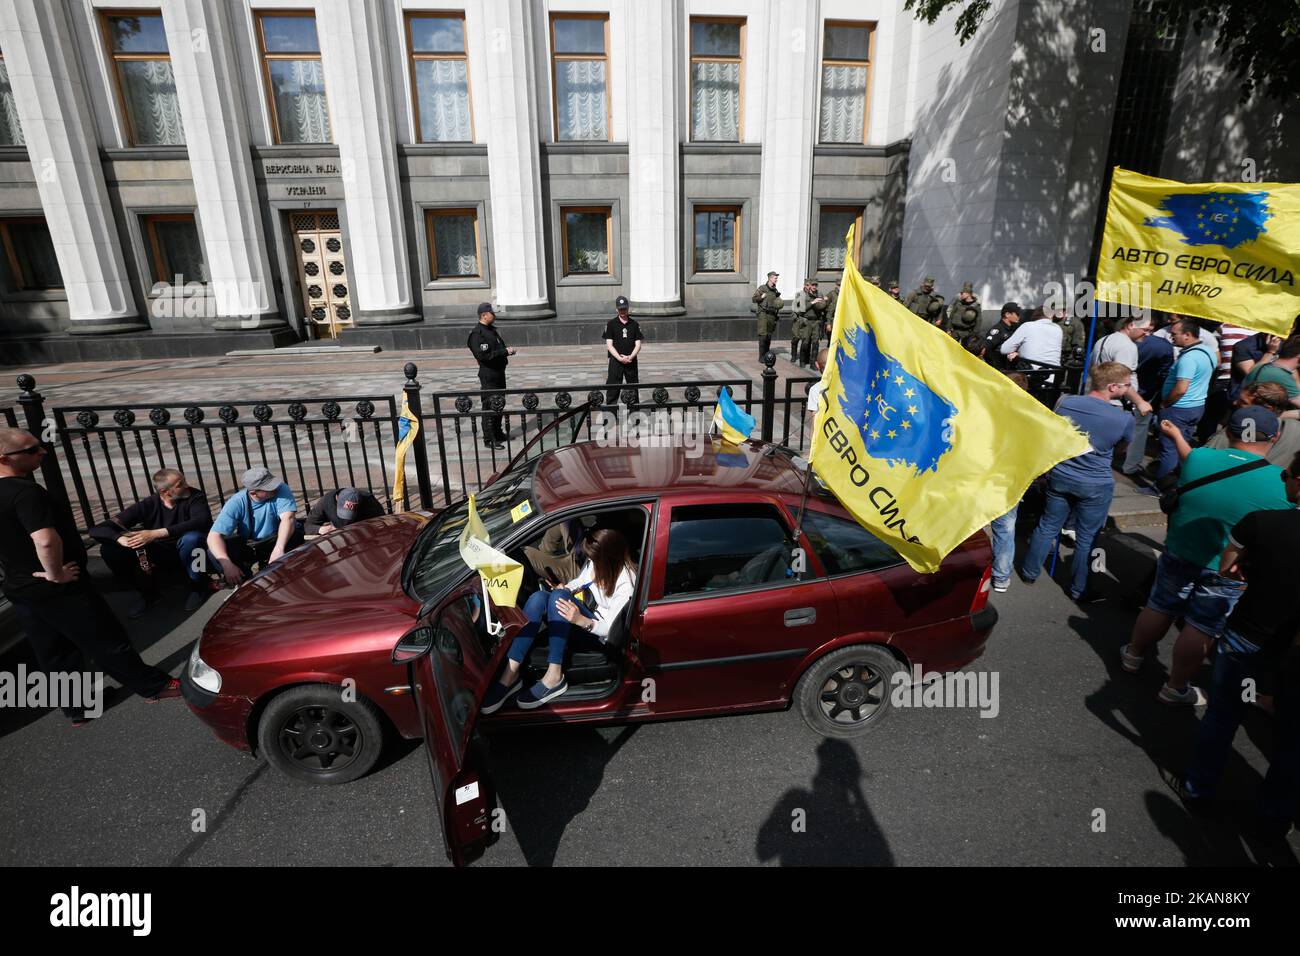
1223 251
501 574
920 440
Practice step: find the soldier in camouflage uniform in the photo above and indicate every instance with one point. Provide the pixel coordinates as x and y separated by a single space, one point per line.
768 304
1074 336
925 302
893 288
810 311
963 314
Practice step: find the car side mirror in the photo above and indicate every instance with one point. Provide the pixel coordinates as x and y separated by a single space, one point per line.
413 645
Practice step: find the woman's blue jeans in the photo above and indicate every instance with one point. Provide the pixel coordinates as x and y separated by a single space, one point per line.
542 604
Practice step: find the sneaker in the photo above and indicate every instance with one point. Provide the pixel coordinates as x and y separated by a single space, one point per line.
1189 696
1001 586
493 444
1129 661
1088 597
82 720
498 694
140 605
539 694
1067 533
171 689
194 600
1023 577
1178 784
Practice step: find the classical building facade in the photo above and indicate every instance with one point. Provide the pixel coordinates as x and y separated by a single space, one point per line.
185 177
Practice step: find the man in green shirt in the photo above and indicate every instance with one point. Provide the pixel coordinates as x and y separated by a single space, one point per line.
1188 582
1281 370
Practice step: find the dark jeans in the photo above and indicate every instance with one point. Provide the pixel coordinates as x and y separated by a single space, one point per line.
542 604
619 373
491 378
166 554
1218 406
1185 419
1088 504
1279 797
247 553
64 630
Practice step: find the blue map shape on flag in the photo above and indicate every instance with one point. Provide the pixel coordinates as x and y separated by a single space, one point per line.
1214 219
900 418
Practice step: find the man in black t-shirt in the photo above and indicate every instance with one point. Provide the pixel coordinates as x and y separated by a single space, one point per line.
44 565
493 355
338 509
999 333
1252 655
623 343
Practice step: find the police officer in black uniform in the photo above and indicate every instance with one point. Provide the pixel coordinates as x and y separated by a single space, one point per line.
623 343
1001 331
490 350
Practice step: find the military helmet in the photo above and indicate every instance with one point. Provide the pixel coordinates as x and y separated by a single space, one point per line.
968 287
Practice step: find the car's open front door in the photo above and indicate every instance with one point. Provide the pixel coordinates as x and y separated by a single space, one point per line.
452 658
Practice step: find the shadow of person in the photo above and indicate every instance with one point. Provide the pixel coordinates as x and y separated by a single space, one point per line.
829 824
540 803
1202 842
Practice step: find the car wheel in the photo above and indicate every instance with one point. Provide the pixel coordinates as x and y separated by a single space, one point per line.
846 692
313 735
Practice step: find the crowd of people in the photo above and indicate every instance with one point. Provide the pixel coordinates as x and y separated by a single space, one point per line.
170 535
1225 465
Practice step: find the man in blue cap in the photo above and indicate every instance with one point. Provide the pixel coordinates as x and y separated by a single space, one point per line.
490 351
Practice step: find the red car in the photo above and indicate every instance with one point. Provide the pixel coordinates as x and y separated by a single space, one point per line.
380 629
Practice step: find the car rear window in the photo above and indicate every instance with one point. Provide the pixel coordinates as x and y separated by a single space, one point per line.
726 547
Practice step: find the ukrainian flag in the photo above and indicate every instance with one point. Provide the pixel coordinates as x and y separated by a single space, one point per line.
1221 251
920 440
732 424
408 426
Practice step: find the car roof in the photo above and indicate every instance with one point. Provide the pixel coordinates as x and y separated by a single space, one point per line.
590 471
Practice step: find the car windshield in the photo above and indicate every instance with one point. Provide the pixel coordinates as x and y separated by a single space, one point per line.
501 507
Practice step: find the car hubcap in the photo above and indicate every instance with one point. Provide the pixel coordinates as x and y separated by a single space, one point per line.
320 739
852 694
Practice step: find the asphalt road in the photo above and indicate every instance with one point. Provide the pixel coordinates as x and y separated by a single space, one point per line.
1074 735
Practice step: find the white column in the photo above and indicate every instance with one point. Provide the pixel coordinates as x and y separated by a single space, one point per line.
37 41
654 265
216 135
514 164
360 95
789 120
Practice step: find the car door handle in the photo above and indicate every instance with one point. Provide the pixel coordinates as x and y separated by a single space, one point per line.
800 615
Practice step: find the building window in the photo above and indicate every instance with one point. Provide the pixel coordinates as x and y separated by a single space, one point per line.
846 72
142 69
11 131
295 80
717 78
175 253
835 223
453 243
586 240
717 239
579 49
440 77
30 252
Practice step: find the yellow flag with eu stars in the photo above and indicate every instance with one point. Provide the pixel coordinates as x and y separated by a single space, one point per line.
920 440
1228 252
501 574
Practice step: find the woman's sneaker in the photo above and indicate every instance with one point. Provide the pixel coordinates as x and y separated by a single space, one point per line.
539 694
1131 662
498 694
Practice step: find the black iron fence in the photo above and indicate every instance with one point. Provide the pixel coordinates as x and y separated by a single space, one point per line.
101 458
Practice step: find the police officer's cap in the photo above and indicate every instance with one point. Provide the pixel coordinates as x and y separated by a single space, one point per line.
621 302
485 307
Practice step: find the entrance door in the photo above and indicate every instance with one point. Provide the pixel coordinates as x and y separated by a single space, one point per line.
322 272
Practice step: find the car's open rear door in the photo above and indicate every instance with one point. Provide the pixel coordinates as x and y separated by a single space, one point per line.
458 658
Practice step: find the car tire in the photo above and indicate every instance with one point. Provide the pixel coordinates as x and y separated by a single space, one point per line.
312 735
837 696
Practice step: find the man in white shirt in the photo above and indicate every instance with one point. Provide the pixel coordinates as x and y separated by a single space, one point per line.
1038 340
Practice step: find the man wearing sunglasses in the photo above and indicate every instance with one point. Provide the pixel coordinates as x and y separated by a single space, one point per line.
170 527
44 564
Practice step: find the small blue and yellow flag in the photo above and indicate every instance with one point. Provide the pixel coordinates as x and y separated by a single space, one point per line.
733 425
1222 251
408 426
500 573
921 441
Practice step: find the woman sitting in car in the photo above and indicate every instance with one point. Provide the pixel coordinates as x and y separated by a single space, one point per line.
593 600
